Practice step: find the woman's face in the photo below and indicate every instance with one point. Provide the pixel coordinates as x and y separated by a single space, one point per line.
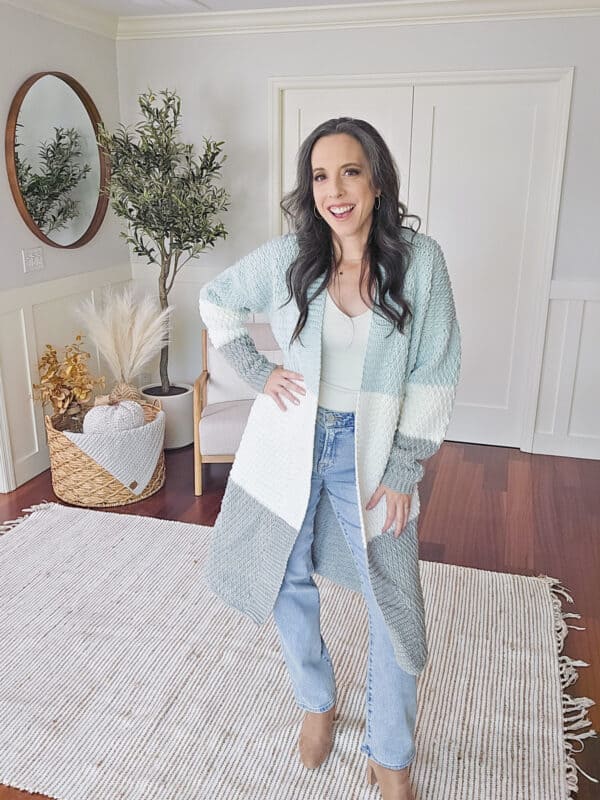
342 188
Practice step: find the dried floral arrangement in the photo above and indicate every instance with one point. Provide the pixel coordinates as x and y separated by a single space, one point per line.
67 384
129 331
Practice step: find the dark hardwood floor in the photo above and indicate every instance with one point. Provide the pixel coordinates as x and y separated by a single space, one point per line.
491 508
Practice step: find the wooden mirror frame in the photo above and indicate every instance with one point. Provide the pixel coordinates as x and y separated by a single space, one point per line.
11 168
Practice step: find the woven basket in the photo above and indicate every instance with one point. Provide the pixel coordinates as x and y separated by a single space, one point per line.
79 480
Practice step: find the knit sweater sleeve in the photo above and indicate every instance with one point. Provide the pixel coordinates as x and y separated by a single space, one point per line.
227 302
430 389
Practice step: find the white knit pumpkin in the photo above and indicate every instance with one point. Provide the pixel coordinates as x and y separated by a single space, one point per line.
122 416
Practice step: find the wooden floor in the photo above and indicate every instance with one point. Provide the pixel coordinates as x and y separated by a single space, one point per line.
492 508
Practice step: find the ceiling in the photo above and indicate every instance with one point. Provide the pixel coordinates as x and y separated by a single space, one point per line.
134 8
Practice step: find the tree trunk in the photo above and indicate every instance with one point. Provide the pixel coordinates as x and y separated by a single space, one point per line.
162 294
164 375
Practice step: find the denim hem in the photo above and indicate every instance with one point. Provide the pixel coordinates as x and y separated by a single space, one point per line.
322 709
366 749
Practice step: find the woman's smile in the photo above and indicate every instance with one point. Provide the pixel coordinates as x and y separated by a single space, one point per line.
341 212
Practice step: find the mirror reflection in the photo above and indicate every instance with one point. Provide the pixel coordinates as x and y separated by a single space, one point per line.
56 160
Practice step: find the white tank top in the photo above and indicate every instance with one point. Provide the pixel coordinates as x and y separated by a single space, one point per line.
343 342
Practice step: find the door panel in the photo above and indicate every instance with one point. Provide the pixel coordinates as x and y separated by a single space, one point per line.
482 167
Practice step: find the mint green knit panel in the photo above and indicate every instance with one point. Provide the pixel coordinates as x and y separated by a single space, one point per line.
423 423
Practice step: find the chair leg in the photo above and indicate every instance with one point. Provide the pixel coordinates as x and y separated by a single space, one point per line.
197 473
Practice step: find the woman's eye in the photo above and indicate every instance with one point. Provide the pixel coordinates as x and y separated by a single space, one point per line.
347 171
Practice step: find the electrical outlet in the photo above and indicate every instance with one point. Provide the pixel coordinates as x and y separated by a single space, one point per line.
33 259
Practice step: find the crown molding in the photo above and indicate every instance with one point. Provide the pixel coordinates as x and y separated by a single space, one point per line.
356 15
302 18
70 13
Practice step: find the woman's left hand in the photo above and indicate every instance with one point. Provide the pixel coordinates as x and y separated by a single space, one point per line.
398 507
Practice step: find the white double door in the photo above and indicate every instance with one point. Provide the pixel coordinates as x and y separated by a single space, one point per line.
480 159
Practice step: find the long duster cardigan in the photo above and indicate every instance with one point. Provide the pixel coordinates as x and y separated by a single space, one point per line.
402 413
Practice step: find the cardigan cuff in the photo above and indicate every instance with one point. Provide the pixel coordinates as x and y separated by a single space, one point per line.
402 477
252 366
405 487
259 376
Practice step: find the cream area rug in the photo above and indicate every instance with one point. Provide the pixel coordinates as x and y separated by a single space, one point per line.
122 676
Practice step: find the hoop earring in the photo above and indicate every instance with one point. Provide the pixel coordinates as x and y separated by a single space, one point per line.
377 204
316 213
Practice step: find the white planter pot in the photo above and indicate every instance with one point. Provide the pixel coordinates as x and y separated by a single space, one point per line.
179 412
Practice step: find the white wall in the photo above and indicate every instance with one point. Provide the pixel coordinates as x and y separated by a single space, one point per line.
30 43
223 82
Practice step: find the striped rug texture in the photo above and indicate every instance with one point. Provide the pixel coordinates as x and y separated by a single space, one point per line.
122 676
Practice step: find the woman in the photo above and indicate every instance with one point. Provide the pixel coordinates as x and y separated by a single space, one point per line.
325 478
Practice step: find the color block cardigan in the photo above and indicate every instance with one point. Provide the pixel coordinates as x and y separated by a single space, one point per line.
403 409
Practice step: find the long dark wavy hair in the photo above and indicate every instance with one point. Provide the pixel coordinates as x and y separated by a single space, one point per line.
385 243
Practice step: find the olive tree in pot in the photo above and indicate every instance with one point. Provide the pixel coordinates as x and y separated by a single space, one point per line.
171 204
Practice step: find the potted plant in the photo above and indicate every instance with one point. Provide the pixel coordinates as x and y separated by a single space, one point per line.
171 204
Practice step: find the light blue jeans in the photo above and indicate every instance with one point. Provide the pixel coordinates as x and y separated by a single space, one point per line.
391 693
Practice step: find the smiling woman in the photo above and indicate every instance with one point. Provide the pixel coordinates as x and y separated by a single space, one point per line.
343 189
328 484
347 214
345 197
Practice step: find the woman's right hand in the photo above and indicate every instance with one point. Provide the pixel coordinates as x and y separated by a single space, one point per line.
280 382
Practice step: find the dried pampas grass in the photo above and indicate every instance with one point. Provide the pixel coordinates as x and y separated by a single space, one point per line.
128 331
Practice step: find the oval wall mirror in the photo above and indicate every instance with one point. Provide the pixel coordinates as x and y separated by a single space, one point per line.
56 170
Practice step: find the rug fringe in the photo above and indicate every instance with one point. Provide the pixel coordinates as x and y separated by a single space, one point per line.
575 709
10 524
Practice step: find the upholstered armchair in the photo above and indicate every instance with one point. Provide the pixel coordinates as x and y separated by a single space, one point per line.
222 401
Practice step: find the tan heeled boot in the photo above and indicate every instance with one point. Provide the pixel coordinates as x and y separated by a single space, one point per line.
394 784
316 737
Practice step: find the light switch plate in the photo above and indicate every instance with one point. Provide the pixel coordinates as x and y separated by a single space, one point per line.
33 259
